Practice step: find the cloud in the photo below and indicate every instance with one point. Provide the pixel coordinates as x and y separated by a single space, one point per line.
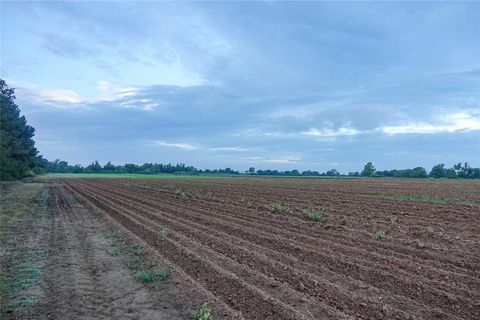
61 95
278 160
342 131
182 146
235 149
213 82
460 121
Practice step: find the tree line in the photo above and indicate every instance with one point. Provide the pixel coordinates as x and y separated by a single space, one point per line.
19 157
459 170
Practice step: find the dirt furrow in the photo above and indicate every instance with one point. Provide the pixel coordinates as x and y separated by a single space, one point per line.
253 303
420 268
374 274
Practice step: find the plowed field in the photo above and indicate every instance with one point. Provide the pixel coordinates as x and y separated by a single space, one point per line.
246 246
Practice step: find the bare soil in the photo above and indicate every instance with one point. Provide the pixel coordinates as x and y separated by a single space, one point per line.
57 262
226 247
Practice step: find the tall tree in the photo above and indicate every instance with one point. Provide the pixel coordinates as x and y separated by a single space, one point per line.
17 148
438 171
368 170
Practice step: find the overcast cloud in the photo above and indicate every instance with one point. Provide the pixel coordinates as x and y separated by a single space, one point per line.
264 84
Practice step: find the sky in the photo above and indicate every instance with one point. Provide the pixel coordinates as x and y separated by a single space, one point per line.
281 85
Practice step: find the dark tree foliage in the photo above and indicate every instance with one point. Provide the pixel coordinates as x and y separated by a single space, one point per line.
465 171
18 155
368 170
438 171
418 172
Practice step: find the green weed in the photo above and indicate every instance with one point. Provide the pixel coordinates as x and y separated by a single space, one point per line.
314 215
138 251
378 235
155 276
204 313
430 230
114 253
275 207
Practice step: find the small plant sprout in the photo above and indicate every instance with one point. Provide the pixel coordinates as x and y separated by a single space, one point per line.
204 313
430 230
313 215
379 234
275 207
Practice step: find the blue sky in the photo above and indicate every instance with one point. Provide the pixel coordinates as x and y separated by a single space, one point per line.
283 85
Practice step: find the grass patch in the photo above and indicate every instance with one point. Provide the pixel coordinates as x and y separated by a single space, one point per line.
205 312
117 235
156 275
314 215
114 253
428 199
180 194
138 251
23 205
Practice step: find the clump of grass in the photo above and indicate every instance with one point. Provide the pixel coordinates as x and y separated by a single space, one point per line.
135 264
430 230
204 313
138 251
314 215
378 235
180 194
114 253
275 207
117 234
155 276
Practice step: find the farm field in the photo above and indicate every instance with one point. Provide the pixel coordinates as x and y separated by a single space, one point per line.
260 248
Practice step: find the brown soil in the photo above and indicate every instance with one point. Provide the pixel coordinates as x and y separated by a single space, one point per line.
77 277
227 248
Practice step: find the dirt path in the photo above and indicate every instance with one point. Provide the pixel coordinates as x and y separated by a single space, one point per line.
75 275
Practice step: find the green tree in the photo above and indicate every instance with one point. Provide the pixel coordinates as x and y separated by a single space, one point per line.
17 148
438 171
333 173
368 170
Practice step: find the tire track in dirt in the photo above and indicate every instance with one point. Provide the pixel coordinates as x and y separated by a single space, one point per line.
82 281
